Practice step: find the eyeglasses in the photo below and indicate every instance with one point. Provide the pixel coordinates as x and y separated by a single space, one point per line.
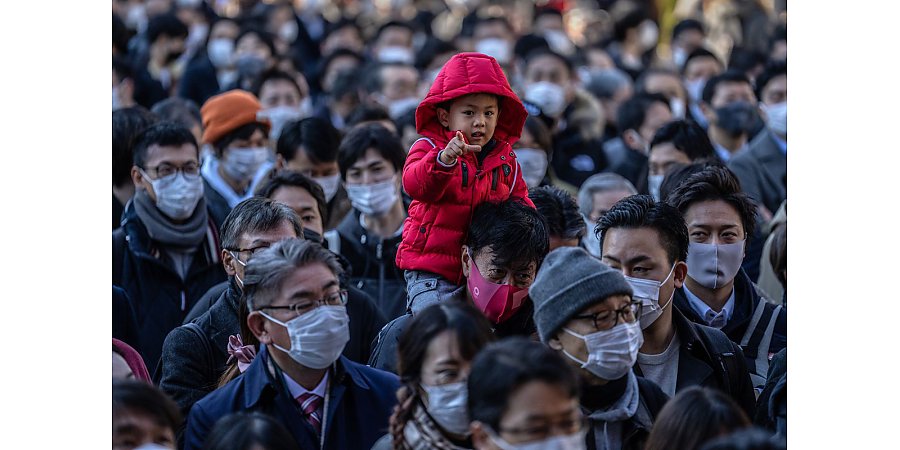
252 250
562 427
164 170
338 298
605 320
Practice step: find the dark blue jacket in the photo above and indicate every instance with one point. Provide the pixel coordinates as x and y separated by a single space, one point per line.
160 298
360 402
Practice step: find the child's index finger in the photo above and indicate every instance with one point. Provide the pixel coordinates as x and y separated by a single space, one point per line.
461 136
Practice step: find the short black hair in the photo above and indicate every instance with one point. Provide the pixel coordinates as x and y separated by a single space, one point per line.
316 136
179 110
728 76
432 48
680 172
274 74
528 44
338 53
126 124
289 178
241 132
687 137
370 136
629 21
633 112
543 51
163 134
503 367
715 183
773 69
257 214
367 113
640 85
346 82
745 59
263 36
560 211
167 24
120 35
541 134
343 22
147 399
641 211
392 24
686 25
495 19
372 79
699 53
122 68
245 429
751 438
515 232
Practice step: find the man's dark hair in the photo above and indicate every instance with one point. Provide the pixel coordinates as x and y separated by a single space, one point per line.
773 69
393 24
502 367
640 85
680 172
162 134
242 132
515 232
167 24
245 430
264 36
715 183
122 68
729 76
745 59
687 25
694 416
542 51
288 178
778 253
605 84
699 53
633 112
641 211
495 19
687 137
145 399
274 74
373 81
343 22
120 35
338 53
560 211
778 35
370 136
367 113
346 82
753 438
528 44
629 21
126 124
255 215
179 110
432 48
316 136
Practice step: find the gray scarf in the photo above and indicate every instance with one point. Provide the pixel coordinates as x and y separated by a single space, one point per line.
612 417
161 229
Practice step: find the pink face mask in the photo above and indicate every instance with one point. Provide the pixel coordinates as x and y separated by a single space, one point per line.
498 302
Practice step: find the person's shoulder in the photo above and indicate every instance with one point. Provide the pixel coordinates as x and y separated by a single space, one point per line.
652 395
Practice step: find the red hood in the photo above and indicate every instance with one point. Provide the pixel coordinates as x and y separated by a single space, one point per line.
469 73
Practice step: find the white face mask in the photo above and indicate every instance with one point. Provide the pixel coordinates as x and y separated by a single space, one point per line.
653 184
279 116
288 32
647 291
534 165
241 164
373 199
396 54
559 42
776 117
499 49
611 353
317 337
550 97
695 89
177 195
447 406
221 52
679 56
648 34
678 108
573 441
590 241
397 108
714 265
330 185
196 36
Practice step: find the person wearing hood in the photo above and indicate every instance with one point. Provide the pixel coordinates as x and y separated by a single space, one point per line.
469 121
584 310
166 254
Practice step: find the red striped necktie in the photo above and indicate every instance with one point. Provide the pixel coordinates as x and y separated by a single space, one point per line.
310 404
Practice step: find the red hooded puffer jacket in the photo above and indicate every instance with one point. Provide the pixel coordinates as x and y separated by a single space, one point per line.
444 197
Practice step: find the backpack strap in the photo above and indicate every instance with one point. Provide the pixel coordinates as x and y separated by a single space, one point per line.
722 351
334 241
118 247
760 338
207 351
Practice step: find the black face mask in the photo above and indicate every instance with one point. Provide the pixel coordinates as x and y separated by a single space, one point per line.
312 236
172 56
736 118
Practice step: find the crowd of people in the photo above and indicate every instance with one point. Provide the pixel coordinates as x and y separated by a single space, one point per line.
460 224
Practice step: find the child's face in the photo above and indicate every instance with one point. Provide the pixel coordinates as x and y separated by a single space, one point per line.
474 114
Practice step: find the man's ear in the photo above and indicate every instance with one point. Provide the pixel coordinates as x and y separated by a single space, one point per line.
555 343
708 112
632 139
258 326
137 178
466 262
680 273
280 163
227 261
480 438
443 117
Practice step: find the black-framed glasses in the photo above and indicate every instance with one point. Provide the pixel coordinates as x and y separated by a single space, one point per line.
252 250
605 320
558 428
338 298
163 170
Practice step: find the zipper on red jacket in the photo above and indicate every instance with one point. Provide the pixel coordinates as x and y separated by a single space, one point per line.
495 178
465 174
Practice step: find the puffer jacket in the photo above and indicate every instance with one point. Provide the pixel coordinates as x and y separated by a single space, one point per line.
444 197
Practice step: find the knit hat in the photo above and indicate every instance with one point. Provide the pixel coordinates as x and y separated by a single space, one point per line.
570 280
227 112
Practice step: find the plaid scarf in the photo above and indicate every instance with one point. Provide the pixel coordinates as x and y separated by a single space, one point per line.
422 433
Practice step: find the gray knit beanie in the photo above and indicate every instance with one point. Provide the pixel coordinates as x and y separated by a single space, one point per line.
570 280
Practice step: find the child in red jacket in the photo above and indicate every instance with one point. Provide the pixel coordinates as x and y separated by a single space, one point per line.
469 121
